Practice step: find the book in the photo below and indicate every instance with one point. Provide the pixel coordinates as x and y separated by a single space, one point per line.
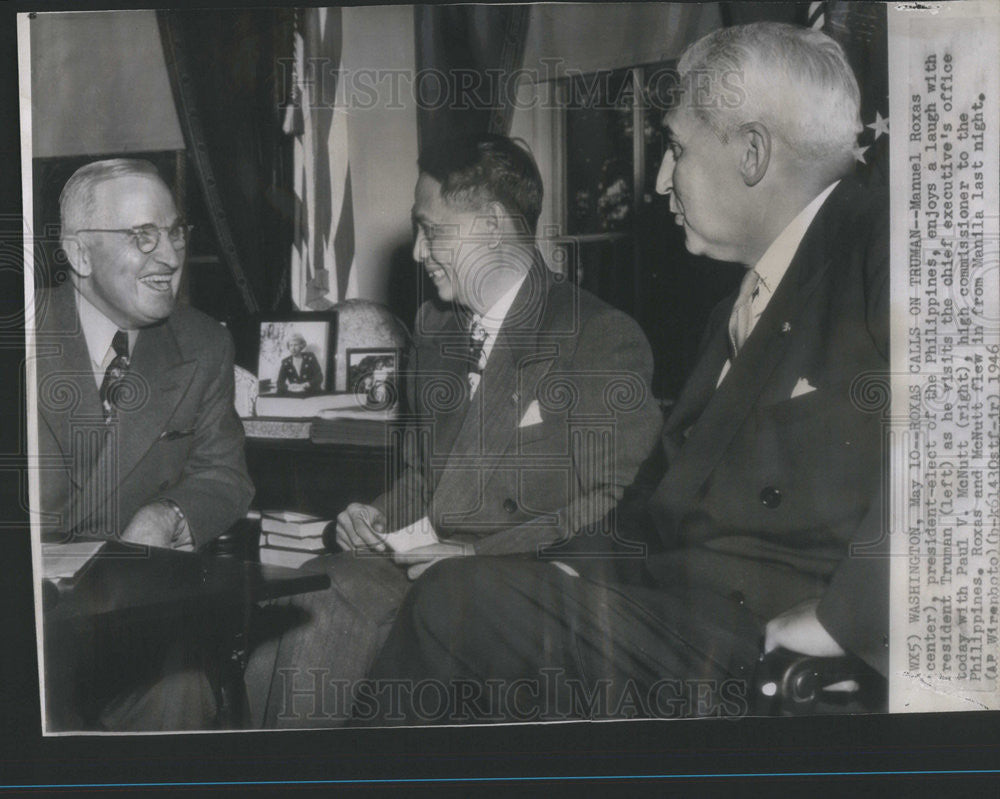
289 558
309 543
292 523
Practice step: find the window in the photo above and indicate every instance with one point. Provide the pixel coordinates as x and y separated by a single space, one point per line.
629 251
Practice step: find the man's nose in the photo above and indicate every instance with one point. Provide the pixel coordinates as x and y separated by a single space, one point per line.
165 253
419 247
665 177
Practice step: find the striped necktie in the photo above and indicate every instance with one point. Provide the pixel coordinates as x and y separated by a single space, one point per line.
114 374
477 340
741 319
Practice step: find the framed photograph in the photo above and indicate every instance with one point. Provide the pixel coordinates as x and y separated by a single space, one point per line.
372 372
295 356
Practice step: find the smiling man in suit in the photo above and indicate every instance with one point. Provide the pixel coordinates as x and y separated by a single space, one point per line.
528 413
137 435
769 509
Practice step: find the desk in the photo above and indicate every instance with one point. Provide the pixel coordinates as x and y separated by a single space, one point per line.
128 586
343 461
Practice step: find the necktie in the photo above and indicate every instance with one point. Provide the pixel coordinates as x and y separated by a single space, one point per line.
741 320
477 339
114 374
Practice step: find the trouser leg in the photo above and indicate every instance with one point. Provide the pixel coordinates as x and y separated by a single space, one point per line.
311 650
529 641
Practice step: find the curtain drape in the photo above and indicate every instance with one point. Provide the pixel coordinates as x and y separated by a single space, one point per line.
465 57
226 72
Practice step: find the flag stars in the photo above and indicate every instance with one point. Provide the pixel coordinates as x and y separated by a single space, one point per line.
859 153
879 126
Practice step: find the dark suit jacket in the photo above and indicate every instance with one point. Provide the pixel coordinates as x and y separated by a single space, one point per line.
766 493
178 436
311 375
478 469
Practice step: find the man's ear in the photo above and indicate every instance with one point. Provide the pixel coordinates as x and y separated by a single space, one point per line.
77 255
756 142
494 223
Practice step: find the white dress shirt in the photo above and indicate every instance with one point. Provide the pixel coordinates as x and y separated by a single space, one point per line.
491 322
98 332
777 258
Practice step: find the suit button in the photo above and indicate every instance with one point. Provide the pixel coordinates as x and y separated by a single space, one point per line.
737 597
509 505
164 485
770 497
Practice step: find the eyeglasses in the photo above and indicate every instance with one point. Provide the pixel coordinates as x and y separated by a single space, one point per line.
147 237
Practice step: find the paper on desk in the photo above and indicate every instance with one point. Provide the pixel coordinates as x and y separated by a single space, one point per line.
418 534
60 561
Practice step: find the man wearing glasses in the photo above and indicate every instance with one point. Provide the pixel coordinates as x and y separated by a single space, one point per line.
148 448
160 376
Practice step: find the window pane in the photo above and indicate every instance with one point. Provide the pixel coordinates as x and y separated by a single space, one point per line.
599 152
659 94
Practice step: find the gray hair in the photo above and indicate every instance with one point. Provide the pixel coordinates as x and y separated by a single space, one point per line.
796 81
76 202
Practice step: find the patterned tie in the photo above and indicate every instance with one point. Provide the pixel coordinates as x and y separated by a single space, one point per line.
477 339
741 319
114 375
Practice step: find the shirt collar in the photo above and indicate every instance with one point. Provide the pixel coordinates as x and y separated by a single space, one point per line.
778 257
493 319
98 330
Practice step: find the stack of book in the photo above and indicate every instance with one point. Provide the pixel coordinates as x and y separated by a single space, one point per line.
289 538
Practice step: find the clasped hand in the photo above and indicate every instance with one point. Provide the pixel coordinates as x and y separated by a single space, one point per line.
158 525
800 630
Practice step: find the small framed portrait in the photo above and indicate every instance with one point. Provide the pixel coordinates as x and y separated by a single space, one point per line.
295 358
373 373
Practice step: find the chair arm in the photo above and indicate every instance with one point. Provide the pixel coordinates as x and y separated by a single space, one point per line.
788 683
241 541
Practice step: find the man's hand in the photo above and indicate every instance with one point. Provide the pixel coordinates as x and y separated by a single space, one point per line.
361 527
799 630
420 559
158 525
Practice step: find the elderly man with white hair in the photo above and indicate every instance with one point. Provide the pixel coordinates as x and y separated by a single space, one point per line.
137 435
769 509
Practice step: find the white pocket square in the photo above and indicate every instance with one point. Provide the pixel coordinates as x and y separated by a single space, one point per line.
532 416
802 387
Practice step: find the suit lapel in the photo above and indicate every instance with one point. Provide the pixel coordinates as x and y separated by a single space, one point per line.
67 395
161 379
515 365
443 352
701 384
728 407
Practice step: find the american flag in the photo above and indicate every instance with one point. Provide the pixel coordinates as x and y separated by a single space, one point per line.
323 247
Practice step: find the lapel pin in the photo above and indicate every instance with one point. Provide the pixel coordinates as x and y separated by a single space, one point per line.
514 398
786 328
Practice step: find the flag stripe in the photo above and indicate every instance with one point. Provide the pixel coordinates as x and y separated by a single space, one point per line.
323 249
343 243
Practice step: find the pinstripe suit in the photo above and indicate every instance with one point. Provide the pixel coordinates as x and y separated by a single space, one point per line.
763 496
